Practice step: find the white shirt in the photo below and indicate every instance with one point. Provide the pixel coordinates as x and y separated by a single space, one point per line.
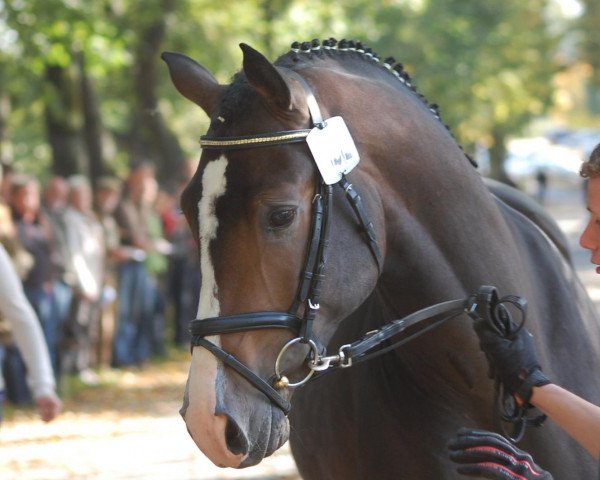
26 330
86 247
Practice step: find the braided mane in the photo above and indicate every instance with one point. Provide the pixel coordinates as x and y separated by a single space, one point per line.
346 49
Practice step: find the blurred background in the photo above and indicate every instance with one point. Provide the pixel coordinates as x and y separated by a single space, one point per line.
83 92
83 89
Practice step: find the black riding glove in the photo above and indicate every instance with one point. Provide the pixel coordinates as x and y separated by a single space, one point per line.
485 454
509 350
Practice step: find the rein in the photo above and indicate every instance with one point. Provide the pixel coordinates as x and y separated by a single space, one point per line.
309 289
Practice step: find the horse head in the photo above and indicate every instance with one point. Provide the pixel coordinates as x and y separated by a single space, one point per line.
252 206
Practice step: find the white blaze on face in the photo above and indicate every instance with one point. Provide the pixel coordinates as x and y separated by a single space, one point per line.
206 428
214 184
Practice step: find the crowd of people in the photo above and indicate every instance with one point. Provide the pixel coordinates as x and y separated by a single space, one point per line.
109 270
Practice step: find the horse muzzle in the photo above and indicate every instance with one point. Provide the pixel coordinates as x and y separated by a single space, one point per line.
227 418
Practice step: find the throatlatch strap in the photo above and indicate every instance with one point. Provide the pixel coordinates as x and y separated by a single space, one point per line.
367 226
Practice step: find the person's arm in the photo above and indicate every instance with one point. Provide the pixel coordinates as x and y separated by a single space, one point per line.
513 361
576 416
29 338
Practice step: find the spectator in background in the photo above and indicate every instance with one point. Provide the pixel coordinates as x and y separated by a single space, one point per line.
6 224
132 342
30 341
22 260
156 263
85 244
34 234
54 205
183 284
542 185
106 199
6 181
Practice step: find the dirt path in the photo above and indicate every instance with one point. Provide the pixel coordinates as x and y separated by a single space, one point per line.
129 428
126 428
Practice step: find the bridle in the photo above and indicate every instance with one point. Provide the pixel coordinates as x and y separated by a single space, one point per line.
308 293
311 278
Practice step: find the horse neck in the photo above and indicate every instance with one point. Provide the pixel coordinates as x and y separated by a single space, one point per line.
443 230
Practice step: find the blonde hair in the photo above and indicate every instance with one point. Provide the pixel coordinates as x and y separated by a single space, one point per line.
591 168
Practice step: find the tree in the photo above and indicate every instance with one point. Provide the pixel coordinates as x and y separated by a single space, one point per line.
590 37
488 64
54 59
108 98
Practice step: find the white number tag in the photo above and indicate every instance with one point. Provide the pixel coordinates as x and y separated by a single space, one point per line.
333 149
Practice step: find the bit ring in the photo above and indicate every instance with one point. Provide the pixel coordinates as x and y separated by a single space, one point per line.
281 381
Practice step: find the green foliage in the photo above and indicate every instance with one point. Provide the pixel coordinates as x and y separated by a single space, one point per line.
488 64
590 37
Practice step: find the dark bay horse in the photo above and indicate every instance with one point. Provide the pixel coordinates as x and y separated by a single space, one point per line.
292 263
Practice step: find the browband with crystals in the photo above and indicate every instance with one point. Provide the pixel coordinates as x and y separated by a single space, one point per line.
266 139
250 141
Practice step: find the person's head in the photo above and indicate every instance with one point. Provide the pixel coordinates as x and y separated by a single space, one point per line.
6 181
149 191
107 194
80 193
56 193
590 238
137 181
25 197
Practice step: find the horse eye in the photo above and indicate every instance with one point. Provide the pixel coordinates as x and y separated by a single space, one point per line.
282 218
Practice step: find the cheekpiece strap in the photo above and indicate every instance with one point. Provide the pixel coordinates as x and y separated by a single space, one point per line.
311 101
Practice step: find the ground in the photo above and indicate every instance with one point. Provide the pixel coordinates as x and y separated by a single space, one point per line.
128 427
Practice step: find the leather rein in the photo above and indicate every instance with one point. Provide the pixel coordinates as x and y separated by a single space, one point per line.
309 290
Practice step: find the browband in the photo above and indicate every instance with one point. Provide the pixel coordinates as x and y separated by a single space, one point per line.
250 141
266 139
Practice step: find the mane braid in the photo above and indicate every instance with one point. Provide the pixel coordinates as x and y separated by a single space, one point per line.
302 51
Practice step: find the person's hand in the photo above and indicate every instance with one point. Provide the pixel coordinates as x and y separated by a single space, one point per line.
480 453
509 350
48 406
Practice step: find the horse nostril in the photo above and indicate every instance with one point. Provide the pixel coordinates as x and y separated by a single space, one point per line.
235 438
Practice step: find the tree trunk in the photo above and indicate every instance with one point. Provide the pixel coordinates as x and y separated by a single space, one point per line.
151 139
498 154
92 123
62 121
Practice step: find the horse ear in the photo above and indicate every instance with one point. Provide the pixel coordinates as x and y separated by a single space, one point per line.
265 78
193 81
